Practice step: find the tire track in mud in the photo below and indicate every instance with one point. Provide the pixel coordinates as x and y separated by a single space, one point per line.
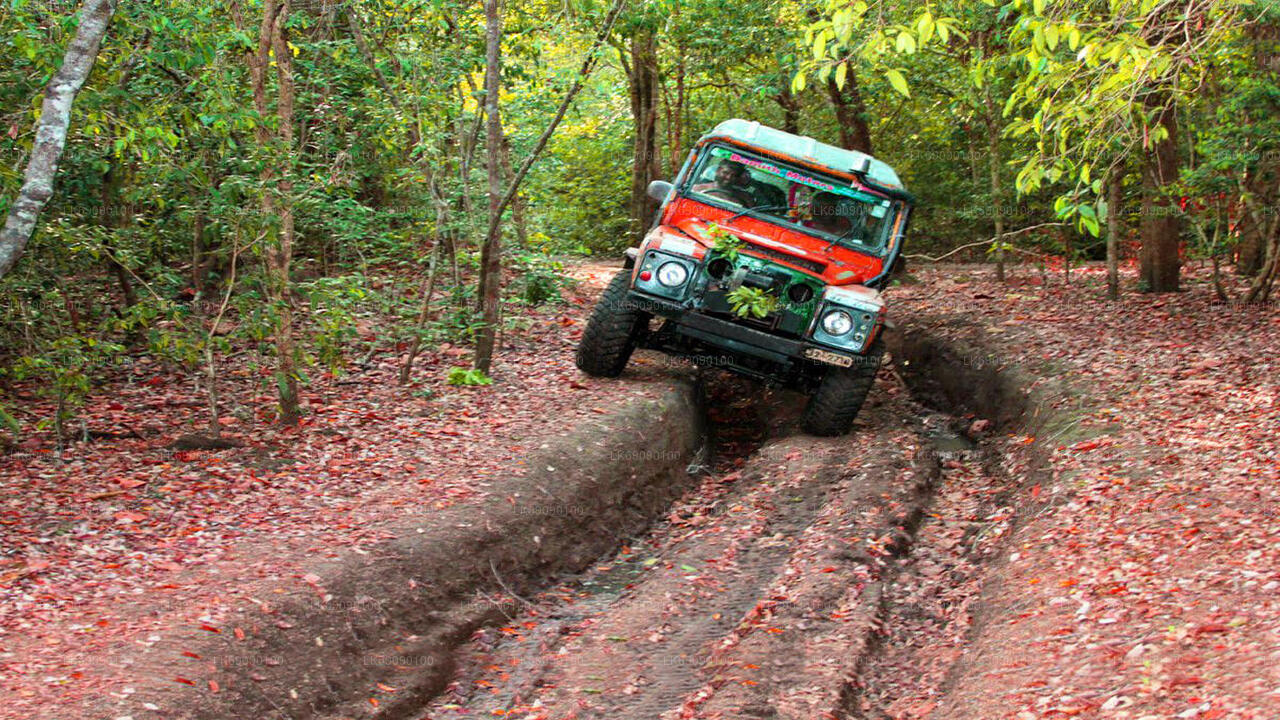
749 600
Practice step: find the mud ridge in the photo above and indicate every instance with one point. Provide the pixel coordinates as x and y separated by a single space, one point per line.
373 633
949 588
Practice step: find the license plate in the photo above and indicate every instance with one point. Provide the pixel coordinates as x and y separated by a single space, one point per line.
829 358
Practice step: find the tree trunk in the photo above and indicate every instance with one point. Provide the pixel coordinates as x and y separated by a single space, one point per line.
1249 249
997 190
120 218
643 86
1161 226
851 114
273 40
518 204
1266 218
1115 196
1264 36
281 257
790 107
424 313
51 130
490 290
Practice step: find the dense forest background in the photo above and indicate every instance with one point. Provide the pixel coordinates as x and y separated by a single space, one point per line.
300 184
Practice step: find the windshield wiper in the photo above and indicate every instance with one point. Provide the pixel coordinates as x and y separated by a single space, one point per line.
761 208
848 235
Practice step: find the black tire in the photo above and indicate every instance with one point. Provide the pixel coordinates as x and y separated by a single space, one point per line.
835 405
610 335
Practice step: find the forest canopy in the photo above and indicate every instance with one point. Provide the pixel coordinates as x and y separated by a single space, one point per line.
262 179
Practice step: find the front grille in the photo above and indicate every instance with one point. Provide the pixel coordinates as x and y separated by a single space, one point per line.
812 266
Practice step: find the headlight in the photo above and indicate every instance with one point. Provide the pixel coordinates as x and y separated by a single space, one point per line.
673 274
837 323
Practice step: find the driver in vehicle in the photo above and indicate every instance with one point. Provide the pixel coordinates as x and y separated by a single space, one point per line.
728 176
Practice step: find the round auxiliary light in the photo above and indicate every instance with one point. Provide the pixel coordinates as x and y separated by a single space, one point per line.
645 275
837 322
673 274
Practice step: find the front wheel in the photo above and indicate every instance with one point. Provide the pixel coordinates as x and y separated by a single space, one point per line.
610 335
834 406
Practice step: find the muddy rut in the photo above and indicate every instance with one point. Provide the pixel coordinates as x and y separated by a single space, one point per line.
757 596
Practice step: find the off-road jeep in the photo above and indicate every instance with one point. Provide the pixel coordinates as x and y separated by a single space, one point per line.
765 260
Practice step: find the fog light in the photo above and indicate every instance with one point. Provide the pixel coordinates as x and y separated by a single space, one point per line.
837 322
673 274
645 275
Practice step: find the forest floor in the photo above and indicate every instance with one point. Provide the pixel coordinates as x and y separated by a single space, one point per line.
1143 585
124 538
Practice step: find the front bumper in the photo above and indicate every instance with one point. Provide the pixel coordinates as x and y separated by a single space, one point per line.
732 337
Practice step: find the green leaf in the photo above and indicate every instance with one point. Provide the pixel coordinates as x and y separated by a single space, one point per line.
925 26
843 22
1051 37
906 42
841 71
1091 224
820 46
898 82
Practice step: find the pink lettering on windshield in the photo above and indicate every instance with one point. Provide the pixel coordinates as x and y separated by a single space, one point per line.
791 175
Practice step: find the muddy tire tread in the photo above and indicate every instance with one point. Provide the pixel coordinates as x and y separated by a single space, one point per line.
839 397
609 338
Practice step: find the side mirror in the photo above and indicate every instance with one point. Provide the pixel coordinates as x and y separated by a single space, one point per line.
659 190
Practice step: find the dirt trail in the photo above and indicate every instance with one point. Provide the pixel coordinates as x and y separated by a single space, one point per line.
745 602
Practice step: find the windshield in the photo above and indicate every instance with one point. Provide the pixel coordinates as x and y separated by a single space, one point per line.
792 196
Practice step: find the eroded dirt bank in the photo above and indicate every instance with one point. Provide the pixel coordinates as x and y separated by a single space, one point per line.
373 630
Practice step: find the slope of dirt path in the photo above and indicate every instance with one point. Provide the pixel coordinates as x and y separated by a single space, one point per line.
1136 573
752 600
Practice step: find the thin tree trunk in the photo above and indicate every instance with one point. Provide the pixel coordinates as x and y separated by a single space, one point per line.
211 367
488 337
1115 196
121 218
490 290
643 86
51 130
518 204
975 155
1161 226
851 114
424 313
281 257
790 107
1260 288
1219 291
677 132
1264 37
279 248
997 190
